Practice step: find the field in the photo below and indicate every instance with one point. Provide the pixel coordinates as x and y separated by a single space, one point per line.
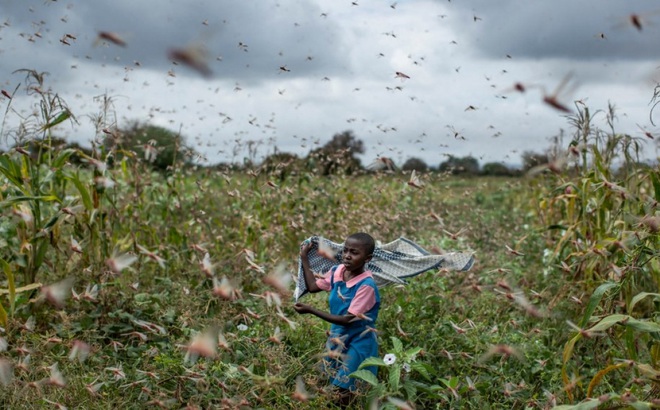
109 284
129 288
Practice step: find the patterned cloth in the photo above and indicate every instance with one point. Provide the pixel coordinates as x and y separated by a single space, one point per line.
391 263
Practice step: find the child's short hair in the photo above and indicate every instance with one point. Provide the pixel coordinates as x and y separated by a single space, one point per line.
366 240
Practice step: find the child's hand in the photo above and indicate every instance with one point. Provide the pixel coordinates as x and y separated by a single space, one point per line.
304 249
302 308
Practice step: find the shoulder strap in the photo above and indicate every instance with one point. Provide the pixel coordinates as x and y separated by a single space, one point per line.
333 271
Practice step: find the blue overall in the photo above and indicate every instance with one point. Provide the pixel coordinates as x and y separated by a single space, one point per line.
352 343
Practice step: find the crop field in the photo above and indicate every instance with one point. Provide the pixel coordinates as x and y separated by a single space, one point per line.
123 287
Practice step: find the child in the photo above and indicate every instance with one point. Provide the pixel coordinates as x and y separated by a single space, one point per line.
354 303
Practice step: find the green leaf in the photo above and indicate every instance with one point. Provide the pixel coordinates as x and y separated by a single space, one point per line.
11 287
607 322
11 171
372 361
84 193
585 405
642 405
394 377
629 339
63 157
16 199
594 301
421 369
63 116
451 383
411 390
639 297
642 325
569 346
3 316
398 346
41 253
365 375
411 353
656 185
52 221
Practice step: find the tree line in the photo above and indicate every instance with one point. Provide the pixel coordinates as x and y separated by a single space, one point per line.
161 148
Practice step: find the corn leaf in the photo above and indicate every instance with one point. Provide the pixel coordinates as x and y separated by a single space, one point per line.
656 185
11 285
642 325
16 199
607 322
585 405
52 221
63 116
84 193
9 170
41 253
63 157
3 316
594 301
639 297
566 355
599 376
31 286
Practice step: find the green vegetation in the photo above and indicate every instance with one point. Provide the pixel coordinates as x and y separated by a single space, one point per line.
125 287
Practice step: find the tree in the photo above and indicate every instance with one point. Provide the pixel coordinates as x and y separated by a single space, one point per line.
158 146
532 159
338 155
496 169
415 164
280 165
466 165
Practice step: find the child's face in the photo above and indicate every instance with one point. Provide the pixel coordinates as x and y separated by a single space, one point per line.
354 256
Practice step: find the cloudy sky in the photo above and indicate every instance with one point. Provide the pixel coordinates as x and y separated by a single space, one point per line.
292 73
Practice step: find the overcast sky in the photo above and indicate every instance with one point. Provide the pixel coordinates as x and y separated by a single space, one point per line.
292 73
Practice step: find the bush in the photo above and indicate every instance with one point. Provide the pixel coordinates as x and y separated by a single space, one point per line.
155 145
415 164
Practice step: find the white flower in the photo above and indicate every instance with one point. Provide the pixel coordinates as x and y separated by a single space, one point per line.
242 327
406 367
389 359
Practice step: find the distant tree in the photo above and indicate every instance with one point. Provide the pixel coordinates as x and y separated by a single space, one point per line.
415 164
41 147
338 155
496 169
152 144
280 165
466 165
532 159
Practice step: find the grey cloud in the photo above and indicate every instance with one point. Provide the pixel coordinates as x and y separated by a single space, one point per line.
287 34
578 30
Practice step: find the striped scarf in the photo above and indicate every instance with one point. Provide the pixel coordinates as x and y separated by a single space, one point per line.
392 263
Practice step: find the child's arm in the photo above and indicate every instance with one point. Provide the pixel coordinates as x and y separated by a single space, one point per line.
310 280
342 320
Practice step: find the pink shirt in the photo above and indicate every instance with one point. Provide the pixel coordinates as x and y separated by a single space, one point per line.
365 297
